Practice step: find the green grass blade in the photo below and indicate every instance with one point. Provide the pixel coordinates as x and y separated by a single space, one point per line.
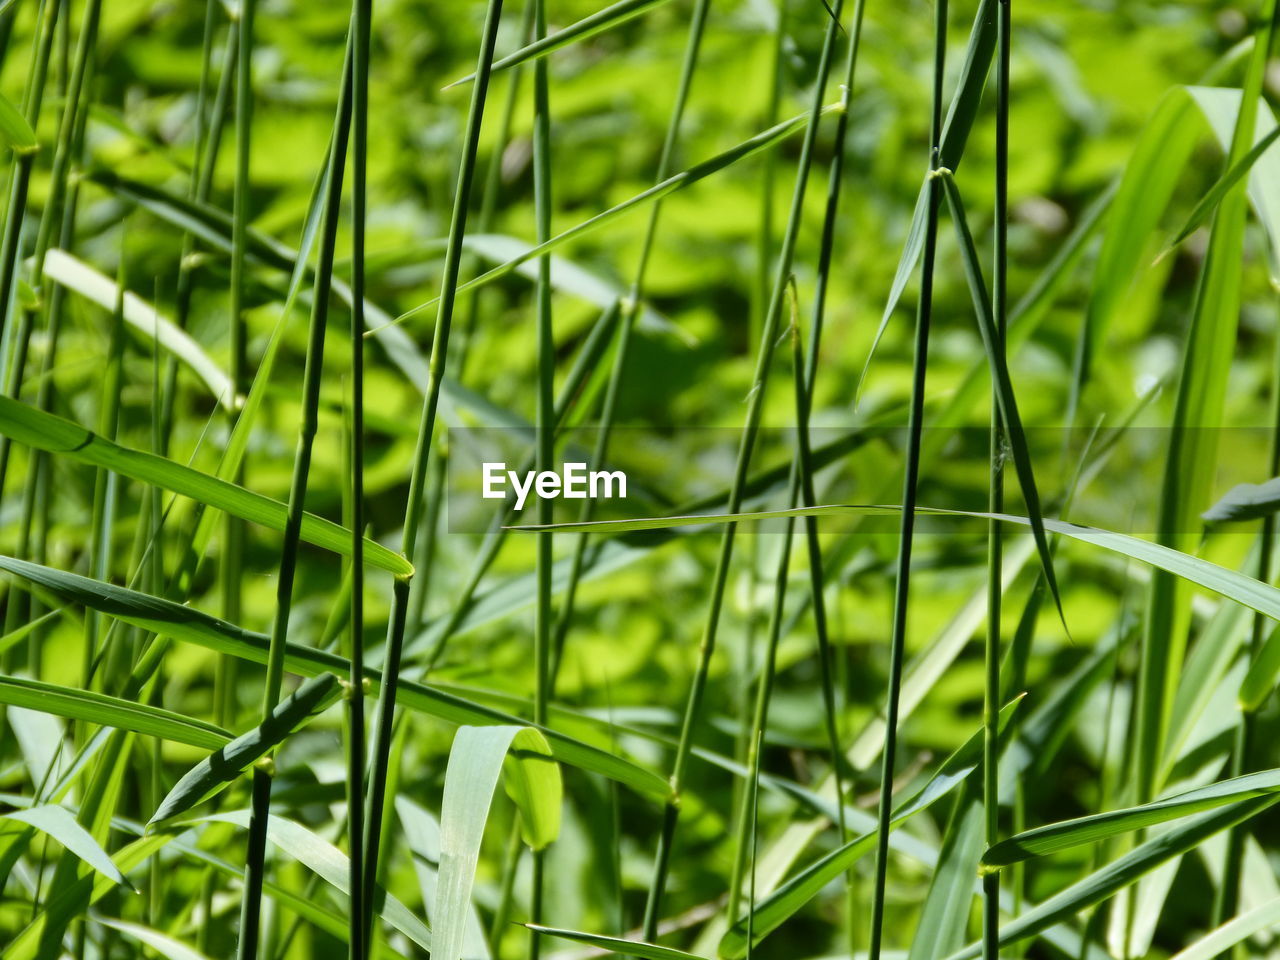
1218 942
1232 584
611 16
15 131
97 708
993 342
616 945
44 431
58 823
769 913
76 275
1209 202
476 760
165 945
331 865
761 141
218 770
184 623
1071 833
1121 873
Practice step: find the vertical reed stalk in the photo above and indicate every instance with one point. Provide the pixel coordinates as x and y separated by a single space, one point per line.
361 28
379 789
631 307
995 501
250 917
233 531
902 586
755 406
545 421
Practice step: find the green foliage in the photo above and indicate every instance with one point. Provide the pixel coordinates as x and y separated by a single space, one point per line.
259 263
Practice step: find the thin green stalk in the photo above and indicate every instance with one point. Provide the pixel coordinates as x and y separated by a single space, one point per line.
755 406
361 27
425 557
769 176
250 916
230 561
600 451
1193 454
379 789
995 501
902 585
545 422
1227 896
817 578
15 213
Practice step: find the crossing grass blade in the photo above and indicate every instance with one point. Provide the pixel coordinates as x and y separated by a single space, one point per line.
44 431
1011 420
1072 833
1232 584
680 181
610 16
769 913
76 275
218 770
616 945
58 823
15 131
330 864
1121 873
184 623
98 708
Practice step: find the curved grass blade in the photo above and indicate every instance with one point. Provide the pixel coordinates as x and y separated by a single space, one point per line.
1071 833
1260 680
611 16
1121 873
1218 942
1245 501
59 823
768 914
331 865
78 276
1209 202
1229 583
15 130
992 340
218 770
169 619
44 431
955 135
98 708
616 945
163 944
59 910
477 757
679 181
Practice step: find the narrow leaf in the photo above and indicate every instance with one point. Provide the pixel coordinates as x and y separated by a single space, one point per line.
216 771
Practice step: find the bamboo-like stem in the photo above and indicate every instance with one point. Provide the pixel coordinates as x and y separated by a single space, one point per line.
608 411
361 20
250 917
545 423
379 790
755 407
897 643
233 530
13 340
995 501
425 558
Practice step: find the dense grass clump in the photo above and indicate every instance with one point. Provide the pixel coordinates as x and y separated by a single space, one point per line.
940 347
